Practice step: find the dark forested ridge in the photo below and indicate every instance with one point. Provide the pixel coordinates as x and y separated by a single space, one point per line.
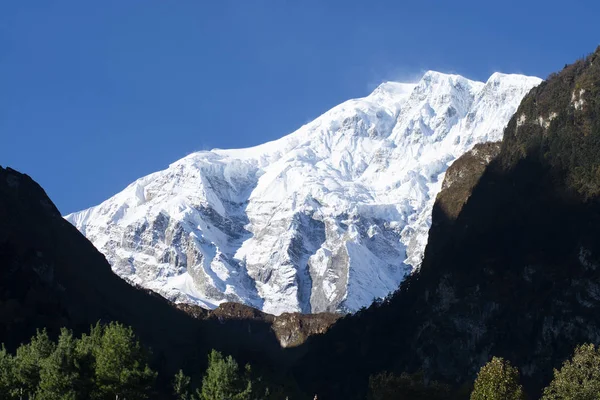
512 266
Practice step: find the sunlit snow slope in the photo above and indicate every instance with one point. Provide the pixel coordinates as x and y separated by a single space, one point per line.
326 218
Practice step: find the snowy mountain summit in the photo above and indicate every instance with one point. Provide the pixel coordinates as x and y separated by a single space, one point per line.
327 218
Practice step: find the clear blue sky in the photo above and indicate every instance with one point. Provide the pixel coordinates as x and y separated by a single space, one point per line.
95 94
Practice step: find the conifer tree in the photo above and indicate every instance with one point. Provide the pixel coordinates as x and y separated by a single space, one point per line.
59 375
7 374
28 363
224 380
85 349
181 386
122 365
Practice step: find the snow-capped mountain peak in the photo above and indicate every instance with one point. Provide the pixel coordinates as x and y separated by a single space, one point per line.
328 217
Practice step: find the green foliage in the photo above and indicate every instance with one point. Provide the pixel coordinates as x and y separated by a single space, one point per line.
181 386
579 377
108 363
28 361
85 349
59 373
224 380
497 380
7 374
121 364
387 386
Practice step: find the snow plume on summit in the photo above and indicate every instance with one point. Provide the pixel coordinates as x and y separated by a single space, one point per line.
326 218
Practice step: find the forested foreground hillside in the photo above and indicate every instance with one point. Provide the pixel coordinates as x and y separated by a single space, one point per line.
110 363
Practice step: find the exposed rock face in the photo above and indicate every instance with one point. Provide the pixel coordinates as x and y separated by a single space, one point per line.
463 175
291 329
327 218
512 267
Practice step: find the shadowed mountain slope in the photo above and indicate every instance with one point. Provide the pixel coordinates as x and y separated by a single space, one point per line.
512 266
51 276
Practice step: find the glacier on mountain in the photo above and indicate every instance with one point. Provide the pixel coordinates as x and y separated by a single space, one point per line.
327 218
